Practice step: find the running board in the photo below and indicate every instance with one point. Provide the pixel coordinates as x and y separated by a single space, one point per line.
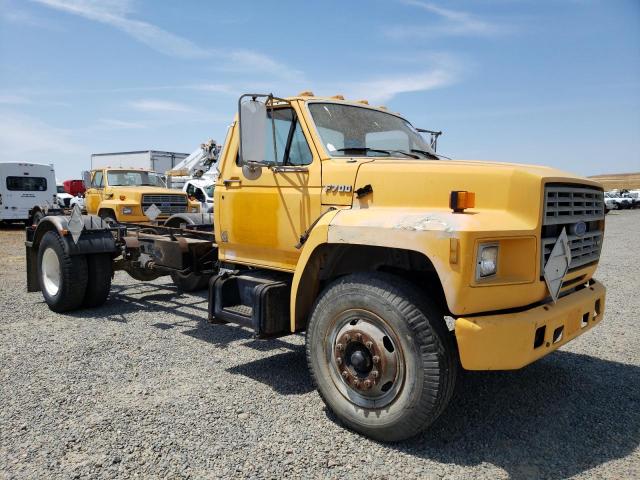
258 299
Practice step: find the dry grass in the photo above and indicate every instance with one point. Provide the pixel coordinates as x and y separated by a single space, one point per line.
611 181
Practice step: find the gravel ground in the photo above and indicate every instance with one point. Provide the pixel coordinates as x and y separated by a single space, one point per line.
145 387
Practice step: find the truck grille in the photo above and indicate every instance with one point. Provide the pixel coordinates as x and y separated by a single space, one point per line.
168 204
565 206
569 204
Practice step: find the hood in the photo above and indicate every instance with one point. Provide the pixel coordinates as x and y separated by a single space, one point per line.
145 190
427 184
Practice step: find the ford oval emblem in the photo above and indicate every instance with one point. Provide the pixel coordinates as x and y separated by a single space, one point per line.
580 229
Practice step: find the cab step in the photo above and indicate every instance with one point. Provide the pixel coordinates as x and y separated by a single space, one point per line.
258 299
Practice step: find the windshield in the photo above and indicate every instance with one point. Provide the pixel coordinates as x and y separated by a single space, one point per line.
133 178
209 190
348 130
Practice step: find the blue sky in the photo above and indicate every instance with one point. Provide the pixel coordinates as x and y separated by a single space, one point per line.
552 82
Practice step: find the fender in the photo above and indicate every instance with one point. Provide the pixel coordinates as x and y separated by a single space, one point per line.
428 233
95 238
317 237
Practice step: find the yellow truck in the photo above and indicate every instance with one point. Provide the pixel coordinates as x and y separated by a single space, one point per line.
119 195
339 219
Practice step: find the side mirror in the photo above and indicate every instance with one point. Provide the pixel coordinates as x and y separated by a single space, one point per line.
86 178
252 114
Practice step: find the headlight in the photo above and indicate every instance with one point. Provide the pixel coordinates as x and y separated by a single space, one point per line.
487 260
127 210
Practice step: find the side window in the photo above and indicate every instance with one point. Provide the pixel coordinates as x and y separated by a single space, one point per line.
299 153
283 118
280 130
199 195
97 180
190 190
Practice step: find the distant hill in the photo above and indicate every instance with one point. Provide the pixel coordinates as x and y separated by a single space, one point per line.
618 180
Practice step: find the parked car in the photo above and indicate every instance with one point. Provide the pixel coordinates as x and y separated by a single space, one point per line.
63 198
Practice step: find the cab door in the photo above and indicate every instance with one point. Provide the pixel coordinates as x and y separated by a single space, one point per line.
261 212
93 195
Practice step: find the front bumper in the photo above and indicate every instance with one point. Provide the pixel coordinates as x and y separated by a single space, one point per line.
512 340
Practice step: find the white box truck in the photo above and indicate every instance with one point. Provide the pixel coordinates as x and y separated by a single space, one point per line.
155 160
27 191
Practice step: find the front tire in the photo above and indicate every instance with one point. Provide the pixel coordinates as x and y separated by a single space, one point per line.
62 277
380 355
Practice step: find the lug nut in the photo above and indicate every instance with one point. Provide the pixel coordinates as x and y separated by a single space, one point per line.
339 347
339 360
356 383
367 384
359 336
369 344
345 374
347 338
375 374
376 359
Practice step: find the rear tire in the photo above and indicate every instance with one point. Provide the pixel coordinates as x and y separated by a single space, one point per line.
36 217
100 273
62 278
380 355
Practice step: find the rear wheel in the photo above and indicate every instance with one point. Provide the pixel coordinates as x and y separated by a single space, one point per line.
381 355
63 278
37 217
100 272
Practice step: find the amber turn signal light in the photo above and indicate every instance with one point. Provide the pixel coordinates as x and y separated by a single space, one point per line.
123 197
459 200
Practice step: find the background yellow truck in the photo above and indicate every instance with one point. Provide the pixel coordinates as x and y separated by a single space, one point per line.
124 194
339 219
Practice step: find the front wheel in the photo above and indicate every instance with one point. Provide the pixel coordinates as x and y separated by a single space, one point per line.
380 355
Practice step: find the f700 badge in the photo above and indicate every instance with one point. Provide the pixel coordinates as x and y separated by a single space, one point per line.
334 187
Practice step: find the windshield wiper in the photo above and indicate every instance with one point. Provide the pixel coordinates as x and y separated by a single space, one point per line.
363 149
426 154
377 150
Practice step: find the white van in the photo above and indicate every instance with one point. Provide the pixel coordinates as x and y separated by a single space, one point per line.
27 190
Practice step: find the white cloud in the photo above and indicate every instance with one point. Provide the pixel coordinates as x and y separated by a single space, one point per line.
113 124
452 23
12 99
385 88
26 138
155 105
116 13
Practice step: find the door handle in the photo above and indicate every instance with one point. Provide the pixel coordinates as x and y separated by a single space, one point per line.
230 181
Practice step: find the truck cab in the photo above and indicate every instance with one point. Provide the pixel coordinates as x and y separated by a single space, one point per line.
201 190
124 194
339 219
